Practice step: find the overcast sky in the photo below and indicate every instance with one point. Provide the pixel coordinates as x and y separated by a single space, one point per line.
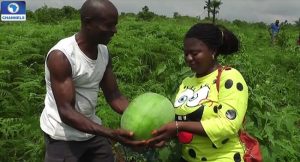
249 10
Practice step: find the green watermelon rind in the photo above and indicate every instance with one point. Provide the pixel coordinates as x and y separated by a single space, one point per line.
152 115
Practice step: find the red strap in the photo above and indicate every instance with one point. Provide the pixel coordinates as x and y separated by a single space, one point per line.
252 153
220 69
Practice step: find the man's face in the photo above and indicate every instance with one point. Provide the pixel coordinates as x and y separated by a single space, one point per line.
101 29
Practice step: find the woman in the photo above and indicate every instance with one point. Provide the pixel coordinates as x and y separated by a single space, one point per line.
209 111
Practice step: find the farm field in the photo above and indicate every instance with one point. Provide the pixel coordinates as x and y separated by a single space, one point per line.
147 56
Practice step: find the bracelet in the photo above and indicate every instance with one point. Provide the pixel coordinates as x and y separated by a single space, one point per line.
176 123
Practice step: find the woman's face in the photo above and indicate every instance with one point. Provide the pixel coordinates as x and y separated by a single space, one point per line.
198 56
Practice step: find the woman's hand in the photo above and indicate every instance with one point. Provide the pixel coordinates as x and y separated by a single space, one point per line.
163 134
161 144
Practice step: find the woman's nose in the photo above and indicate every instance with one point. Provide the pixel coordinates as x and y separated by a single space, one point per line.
189 57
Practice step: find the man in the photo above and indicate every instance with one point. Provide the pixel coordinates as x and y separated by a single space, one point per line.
274 30
75 68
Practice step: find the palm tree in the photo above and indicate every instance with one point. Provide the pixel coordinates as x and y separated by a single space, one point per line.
215 4
208 7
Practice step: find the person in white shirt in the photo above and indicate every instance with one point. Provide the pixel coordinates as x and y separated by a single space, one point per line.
75 70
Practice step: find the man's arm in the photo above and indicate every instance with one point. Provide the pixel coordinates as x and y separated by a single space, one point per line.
64 93
111 91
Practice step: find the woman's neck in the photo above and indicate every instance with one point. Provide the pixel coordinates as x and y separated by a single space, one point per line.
210 70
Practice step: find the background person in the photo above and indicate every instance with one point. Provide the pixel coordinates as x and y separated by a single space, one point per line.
274 30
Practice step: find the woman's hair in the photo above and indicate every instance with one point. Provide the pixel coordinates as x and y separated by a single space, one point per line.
215 37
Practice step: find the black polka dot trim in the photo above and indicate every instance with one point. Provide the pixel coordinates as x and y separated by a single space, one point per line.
216 109
220 107
225 141
228 83
239 86
203 159
231 114
192 153
237 157
214 146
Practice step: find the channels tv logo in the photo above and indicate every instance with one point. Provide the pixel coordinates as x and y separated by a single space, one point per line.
13 11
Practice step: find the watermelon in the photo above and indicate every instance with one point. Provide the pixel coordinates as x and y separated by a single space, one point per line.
146 113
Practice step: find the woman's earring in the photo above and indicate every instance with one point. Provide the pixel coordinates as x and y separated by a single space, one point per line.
213 57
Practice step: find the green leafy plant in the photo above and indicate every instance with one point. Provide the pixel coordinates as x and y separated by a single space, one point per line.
148 56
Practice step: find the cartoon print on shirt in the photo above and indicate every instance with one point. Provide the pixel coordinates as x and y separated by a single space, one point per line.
188 108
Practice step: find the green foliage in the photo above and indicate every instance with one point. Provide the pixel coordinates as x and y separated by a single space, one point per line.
49 15
147 56
284 40
176 15
29 15
70 12
298 23
21 140
240 23
260 25
145 14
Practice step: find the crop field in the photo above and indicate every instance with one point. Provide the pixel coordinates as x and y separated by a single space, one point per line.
147 57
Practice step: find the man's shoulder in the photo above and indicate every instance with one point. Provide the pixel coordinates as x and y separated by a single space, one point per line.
102 47
66 41
64 45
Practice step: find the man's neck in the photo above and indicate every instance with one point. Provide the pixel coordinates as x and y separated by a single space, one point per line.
87 47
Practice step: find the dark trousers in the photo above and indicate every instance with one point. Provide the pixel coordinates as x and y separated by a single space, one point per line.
96 149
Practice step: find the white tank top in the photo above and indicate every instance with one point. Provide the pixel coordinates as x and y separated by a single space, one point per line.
86 74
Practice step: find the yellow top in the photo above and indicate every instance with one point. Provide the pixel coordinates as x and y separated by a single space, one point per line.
221 114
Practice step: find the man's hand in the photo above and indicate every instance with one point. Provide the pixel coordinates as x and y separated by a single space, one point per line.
126 138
